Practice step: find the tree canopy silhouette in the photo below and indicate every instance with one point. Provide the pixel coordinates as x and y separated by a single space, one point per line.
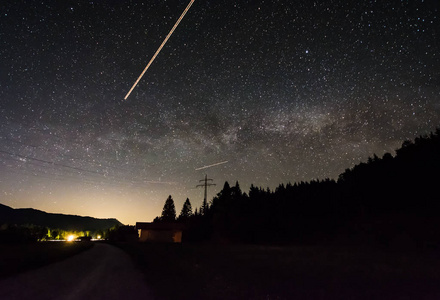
186 211
378 199
168 211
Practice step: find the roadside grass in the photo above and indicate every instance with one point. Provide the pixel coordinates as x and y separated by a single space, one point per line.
17 258
206 271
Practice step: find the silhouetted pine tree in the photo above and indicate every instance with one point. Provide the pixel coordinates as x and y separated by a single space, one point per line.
204 209
186 211
169 210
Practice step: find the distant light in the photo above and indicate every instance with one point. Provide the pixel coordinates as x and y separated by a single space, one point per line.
99 237
70 238
307 51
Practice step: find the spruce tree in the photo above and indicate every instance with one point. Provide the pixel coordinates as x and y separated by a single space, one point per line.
169 210
186 211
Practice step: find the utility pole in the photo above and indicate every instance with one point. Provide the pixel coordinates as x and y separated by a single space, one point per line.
206 184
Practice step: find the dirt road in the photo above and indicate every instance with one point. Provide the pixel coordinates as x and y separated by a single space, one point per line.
103 272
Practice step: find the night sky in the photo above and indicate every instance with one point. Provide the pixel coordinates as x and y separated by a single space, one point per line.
285 91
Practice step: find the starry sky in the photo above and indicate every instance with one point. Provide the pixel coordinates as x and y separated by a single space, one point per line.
284 90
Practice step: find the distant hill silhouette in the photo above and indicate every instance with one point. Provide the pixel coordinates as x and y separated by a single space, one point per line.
29 216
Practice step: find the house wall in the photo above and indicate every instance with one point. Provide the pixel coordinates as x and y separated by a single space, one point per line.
143 235
163 236
177 237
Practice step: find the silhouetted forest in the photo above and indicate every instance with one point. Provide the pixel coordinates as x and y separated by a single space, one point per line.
393 199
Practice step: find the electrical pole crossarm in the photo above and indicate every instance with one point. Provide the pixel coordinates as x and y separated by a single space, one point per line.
209 184
207 179
206 184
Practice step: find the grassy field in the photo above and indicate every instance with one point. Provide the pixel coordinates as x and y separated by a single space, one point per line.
16 258
191 271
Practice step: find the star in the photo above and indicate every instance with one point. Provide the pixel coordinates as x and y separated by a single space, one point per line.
284 91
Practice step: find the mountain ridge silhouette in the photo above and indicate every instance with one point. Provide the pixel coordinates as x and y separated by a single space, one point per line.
31 216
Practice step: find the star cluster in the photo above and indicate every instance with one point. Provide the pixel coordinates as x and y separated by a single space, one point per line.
282 90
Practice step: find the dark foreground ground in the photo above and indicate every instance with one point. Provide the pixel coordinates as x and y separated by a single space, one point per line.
103 272
190 271
207 271
17 258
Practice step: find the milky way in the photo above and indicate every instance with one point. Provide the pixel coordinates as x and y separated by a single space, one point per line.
285 91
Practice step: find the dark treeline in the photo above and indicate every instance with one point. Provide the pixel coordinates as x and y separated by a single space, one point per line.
379 201
290 213
26 233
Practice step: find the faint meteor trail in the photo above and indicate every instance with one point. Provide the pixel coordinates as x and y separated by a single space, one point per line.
213 165
160 182
160 47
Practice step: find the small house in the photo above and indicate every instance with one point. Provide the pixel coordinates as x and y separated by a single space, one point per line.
162 232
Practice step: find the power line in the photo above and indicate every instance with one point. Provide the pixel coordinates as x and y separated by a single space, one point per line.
48 162
23 159
40 175
86 161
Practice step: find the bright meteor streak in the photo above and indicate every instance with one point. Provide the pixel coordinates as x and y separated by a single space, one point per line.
213 165
160 48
